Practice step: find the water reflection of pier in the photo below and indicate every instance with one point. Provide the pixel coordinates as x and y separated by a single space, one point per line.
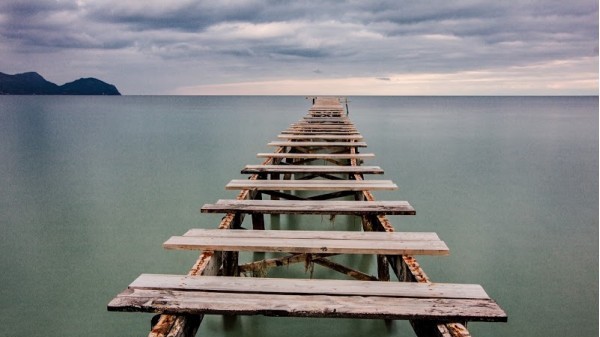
316 160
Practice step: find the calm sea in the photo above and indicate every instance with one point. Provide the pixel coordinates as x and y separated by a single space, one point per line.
90 187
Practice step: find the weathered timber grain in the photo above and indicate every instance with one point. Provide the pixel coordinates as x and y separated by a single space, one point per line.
302 245
264 285
374 307
318 144
316 155
322 136
310 207
312 169
316 235
323 132
311 185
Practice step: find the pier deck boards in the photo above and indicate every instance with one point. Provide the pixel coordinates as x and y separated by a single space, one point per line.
288 242
325 133
306 298
310 207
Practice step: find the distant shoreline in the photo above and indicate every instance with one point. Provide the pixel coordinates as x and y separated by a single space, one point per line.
32 83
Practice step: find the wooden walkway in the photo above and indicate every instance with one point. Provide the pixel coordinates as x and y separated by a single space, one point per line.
316 169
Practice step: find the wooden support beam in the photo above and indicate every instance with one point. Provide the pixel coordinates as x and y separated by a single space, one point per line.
260 266
353 273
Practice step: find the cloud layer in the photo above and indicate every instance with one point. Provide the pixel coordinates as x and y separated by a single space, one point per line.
391 47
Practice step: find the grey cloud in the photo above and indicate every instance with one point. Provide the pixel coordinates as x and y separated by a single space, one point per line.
184 16
352 38
29 8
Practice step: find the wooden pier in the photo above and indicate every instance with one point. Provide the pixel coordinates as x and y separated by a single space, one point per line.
316 168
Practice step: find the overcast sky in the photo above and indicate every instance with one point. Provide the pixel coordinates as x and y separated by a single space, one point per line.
395 47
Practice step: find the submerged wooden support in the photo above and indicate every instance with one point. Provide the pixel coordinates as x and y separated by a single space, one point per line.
353 273
263 265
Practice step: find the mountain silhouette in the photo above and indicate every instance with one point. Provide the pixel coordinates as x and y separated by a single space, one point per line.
32 83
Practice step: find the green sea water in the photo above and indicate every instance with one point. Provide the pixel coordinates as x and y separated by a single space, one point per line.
90 187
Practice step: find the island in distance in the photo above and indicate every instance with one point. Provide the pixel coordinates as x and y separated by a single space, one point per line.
32 83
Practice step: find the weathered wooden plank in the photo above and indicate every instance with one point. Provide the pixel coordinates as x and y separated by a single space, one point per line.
326 120
318 109
317 132
328 112
317 126
318 144
334 114
310 207
311 185
316 155
316 235
308 286
322 136
342 118
333 111
293 245
374 307
312 169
